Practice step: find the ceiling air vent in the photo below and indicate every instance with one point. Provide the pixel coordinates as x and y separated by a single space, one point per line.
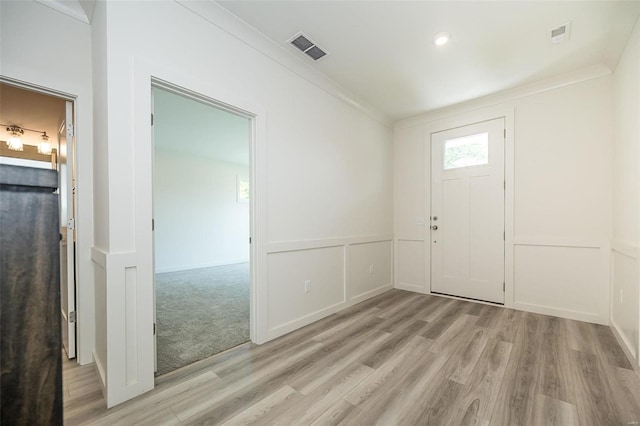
560 33
306 46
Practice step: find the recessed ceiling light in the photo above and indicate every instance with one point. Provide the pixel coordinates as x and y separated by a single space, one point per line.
441 39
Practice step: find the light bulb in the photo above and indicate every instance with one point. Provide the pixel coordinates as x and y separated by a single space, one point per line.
45 146
14 143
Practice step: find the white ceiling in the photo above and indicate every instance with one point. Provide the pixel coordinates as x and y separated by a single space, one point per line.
188 126
383 50
30 110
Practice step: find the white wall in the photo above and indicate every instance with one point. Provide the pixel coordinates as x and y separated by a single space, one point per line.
560 145
198 219
625 244
45 48
323 177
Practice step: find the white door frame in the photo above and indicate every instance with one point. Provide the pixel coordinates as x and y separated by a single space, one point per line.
130 324
67 98
198 97
461 120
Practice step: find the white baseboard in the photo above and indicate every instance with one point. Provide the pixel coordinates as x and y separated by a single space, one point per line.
627 348
410 287
101 374
200 266
283 329
369 294
561 313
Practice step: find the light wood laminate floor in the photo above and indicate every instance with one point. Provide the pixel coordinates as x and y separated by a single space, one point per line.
399 358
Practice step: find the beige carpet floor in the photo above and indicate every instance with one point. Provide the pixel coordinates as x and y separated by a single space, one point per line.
199 313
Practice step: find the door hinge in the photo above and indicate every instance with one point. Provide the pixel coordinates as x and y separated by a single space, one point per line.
70 129
152 119
505 133
153 224
503 287
154 328
72 316
249 240
72 223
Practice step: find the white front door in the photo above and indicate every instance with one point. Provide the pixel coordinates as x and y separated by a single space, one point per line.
467 211
66 182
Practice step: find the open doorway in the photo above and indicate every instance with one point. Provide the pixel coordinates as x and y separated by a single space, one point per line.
201 211
37 130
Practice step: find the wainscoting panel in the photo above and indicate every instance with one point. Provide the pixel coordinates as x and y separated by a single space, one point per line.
120 319
369 268
100 279
287 272
625 315
567 281
411 268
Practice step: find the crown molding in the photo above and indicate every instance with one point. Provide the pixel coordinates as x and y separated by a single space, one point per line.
215 14
509 95
70 8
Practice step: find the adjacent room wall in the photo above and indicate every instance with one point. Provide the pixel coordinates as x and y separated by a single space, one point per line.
562 187
43 47
324 178
625 245
198 219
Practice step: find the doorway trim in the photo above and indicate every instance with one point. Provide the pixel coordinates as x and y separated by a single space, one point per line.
238 111
461 120
81 318
130 369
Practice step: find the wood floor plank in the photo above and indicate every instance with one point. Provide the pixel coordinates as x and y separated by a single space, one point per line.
467 358
453 334
336 414
158 401
400 307
347 326
580 337
490 316
625 388
593 395
404 316
395 343
508 325
517 393
554 378
390 370
553 412
314 405
434 406
393 298
266 409
324 368
437 309
608 345
481 393
249 383
386 406
443 322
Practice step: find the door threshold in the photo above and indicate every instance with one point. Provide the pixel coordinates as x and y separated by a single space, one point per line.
453 296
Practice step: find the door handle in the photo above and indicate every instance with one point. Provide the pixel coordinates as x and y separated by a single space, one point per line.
434 227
